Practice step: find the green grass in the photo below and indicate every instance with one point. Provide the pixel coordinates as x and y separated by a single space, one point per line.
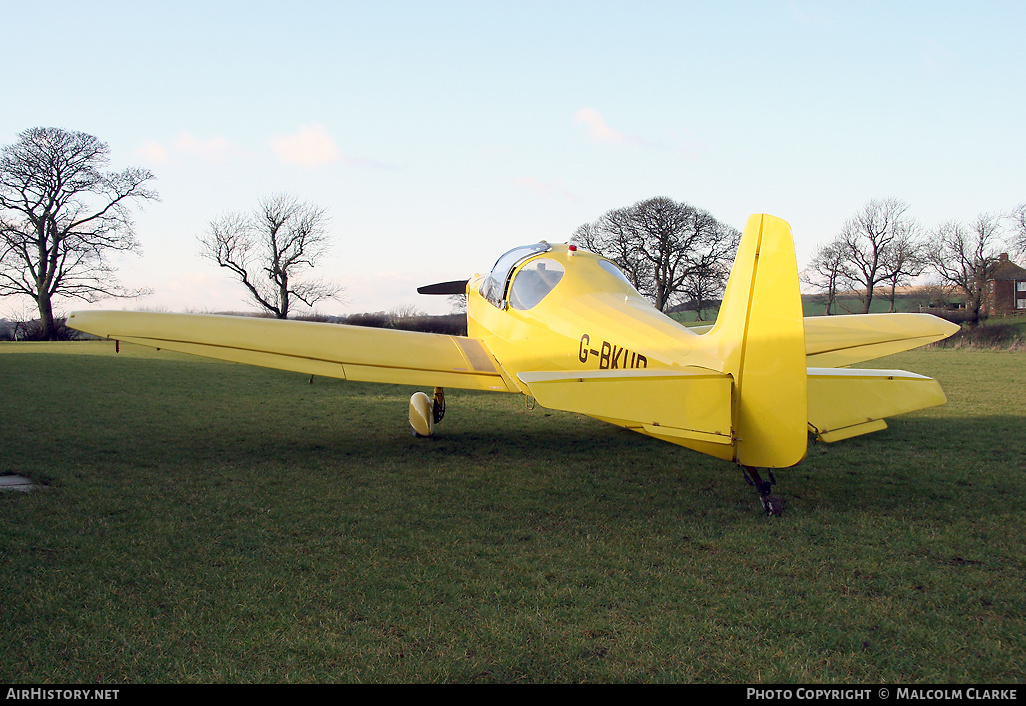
209 522
814 304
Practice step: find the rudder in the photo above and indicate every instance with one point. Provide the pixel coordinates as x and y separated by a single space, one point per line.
760 337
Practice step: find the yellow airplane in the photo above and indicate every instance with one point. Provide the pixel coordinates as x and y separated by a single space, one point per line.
565 327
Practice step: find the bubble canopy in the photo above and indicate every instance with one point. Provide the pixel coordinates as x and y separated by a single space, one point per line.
523 288
496 283
533 282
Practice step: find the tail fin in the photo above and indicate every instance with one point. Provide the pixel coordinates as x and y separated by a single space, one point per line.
760 337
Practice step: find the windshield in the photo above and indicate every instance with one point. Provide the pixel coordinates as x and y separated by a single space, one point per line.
533 282
494 286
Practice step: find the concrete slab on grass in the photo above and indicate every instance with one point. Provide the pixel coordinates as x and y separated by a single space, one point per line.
16 482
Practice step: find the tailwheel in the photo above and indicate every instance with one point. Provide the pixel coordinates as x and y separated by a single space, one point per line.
773 504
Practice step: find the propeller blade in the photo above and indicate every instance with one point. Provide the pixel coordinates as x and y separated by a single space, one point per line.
458 286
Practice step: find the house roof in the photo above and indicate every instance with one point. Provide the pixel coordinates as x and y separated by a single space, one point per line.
1006 269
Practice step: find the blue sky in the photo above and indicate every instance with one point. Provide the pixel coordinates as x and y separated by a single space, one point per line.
440 134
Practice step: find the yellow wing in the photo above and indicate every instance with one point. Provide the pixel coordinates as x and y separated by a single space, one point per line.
330 350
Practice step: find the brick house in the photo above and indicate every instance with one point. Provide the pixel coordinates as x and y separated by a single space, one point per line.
1005 292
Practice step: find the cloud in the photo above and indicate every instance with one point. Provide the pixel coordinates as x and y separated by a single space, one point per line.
216 149
152 152
309 147
598 128
600 131
544 189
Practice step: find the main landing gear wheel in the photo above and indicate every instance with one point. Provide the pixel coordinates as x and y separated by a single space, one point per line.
426 412
773 504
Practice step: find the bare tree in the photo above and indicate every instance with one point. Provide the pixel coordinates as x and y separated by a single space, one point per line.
1018 217
903 261
663 246
869 239
828 273
61 215
457 303
703 285
965 257
268 250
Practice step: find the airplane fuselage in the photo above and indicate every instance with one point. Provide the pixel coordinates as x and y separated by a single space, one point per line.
592 319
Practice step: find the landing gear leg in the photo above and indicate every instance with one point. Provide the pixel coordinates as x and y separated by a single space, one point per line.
771 503
438 405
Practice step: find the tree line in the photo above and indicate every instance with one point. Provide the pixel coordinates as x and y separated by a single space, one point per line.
882 248
63 214
676 253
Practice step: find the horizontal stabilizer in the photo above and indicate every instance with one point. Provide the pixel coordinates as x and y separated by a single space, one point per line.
834 341
849 402
330 350
690 403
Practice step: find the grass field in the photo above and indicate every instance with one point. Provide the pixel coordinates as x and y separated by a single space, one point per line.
209 522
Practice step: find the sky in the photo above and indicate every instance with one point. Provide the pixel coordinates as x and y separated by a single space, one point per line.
439 134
